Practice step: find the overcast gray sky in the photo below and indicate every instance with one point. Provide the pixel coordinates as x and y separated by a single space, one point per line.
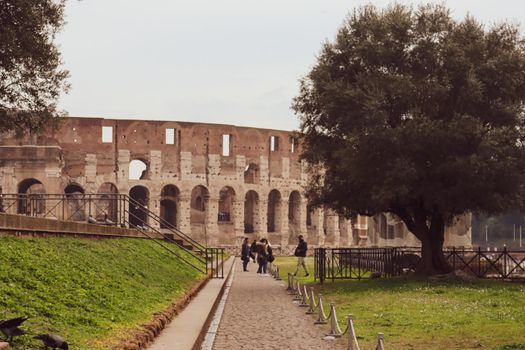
221 61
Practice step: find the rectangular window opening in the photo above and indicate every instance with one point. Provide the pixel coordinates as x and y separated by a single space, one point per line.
274 143
292 142
170 136
107 134
226 145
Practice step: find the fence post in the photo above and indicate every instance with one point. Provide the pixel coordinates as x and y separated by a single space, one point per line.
289 282
352 339
335 330
277 276
380 342
311 308
304 301
322 317
298 294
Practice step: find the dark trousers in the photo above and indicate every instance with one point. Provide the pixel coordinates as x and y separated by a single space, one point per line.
245 263
263 264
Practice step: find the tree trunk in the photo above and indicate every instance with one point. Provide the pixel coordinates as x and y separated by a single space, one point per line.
433 259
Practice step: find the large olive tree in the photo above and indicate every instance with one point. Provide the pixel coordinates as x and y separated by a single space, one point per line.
31 77
412 112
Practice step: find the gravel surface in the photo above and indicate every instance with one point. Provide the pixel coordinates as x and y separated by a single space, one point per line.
260 315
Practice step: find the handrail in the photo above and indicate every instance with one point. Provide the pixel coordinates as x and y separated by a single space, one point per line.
170 227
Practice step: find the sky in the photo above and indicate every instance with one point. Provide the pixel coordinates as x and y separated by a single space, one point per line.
216 61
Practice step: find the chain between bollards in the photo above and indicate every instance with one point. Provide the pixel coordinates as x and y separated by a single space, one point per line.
298 294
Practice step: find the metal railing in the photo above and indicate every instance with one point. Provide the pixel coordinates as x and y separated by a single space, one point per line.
358 263
116 210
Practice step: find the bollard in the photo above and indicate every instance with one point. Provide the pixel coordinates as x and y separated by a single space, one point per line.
352 340
304 301
380 341
298 293
289 281
335 330
292 291
277 275
312 306
321 319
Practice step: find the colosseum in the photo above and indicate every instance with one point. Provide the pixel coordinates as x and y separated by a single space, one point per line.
217 183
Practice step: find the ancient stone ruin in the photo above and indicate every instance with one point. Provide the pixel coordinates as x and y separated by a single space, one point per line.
217 183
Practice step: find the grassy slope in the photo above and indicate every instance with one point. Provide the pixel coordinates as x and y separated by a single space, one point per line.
87 290
428 314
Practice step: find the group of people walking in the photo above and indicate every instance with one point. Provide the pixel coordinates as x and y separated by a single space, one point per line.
261 252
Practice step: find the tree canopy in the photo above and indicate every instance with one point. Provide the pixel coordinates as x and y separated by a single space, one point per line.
31 77
412 112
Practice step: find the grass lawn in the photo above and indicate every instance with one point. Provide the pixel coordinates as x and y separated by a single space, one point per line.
426 314
93 292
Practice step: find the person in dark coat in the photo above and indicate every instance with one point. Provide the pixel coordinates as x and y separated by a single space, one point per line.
262 255
300 253
253 250
245 254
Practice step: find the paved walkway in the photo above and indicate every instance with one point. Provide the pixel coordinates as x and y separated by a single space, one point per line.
259 314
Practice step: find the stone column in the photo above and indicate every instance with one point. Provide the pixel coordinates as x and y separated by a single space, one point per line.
184 210
185 165
344 232
123 165
303 211
261 217
282 222
212 212
238 217
318 223
332 228
240 166
362 228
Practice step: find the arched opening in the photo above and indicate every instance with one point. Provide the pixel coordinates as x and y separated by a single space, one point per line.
138 170
226 200
107 203
169 198
251 174
199 201
251 208
31 201
294 216
274 209
138 205
75 202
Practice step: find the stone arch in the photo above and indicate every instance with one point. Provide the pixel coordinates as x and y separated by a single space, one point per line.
31 201
137 208
138 169
251 174
107 202
75 202
226 202
251 210
199 204
294 216
274 211
169 203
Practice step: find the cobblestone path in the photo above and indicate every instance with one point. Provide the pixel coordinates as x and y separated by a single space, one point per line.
259 314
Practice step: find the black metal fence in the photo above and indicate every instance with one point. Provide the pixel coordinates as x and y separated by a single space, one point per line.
359 263
116 210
